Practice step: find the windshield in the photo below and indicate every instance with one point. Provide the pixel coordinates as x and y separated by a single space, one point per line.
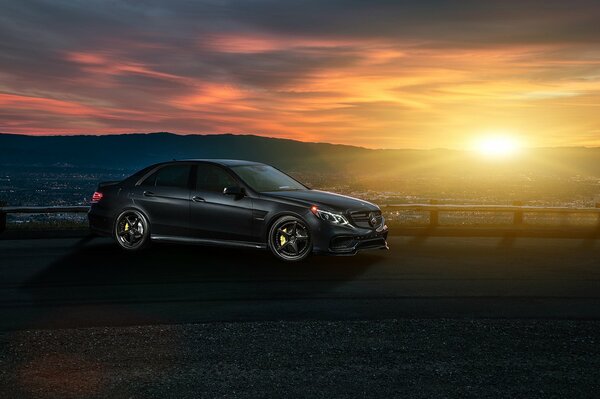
266 178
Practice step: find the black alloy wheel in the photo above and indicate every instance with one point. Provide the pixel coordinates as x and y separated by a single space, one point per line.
289 239
131 230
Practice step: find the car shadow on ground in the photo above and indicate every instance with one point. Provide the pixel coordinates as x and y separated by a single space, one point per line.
99 261
151 285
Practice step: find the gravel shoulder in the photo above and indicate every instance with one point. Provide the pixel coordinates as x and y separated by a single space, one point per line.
412 358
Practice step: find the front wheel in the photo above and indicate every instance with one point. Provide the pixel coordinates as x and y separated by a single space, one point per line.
131 230
289 239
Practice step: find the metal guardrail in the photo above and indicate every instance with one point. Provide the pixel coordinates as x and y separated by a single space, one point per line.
517 210
38 209
45 209
433 208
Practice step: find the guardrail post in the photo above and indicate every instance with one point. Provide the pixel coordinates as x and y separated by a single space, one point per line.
2 221
518 217
433 215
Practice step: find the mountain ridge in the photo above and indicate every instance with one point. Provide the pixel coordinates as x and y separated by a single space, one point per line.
136 150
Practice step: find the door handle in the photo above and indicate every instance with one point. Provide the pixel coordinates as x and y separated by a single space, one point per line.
197 199
148 194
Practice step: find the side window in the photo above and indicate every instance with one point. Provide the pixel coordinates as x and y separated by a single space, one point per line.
150 180
169 176
213 178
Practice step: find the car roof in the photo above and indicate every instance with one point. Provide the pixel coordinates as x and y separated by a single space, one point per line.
224 162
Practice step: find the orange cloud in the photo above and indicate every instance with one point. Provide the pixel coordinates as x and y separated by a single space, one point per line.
37 104
375 92
257 43
106 64
420 74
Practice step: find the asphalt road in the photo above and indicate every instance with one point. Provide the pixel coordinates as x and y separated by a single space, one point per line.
54 283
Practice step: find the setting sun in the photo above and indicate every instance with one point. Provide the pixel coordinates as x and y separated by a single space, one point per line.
497 146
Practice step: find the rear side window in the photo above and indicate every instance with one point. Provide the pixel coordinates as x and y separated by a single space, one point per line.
213 178
169 176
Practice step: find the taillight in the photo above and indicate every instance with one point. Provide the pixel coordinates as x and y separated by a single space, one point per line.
97 196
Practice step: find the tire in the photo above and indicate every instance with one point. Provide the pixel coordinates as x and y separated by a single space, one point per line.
131 230
290 239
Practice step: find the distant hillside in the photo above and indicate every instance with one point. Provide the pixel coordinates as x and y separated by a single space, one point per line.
133 151
128 151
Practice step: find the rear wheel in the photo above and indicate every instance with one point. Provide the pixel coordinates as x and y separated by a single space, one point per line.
289 239
131 230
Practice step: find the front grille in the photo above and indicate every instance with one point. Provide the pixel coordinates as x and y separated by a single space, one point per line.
363 219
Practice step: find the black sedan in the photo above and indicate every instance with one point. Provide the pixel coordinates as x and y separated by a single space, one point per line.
233 203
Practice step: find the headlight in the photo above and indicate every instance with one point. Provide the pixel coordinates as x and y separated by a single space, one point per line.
331 217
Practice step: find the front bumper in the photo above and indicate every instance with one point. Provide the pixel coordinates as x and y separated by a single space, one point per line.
342 240
350 245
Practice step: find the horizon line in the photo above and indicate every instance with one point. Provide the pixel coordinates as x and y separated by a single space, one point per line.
274 138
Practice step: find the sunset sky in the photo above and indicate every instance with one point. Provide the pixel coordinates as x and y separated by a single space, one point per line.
381 74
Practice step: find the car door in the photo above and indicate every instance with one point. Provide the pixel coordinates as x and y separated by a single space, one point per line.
215 215
165 198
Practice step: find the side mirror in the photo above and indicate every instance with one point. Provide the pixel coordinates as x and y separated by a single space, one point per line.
234 190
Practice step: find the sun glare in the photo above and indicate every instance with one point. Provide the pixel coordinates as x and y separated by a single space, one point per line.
497 146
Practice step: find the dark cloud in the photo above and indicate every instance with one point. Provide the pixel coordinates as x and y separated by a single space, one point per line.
449 22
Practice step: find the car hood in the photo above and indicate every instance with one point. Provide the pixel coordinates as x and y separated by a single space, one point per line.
324 199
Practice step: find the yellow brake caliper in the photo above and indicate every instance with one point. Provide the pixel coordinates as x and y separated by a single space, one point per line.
126 226
282 239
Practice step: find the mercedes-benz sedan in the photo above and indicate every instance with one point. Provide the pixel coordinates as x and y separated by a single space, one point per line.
233 203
